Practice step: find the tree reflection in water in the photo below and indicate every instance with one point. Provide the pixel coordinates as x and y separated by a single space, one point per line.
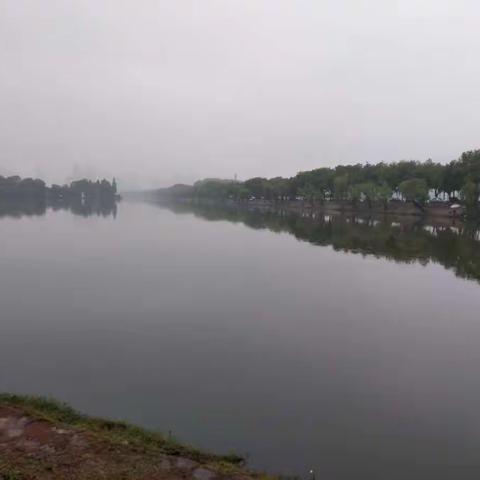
20 207
455 245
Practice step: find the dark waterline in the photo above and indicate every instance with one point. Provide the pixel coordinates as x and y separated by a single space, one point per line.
353 352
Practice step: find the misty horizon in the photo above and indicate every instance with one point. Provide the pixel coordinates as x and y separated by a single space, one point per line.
159 93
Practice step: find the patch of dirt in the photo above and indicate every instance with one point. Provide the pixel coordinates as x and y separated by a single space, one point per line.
33 449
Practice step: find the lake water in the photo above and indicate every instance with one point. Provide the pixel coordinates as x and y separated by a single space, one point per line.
346 346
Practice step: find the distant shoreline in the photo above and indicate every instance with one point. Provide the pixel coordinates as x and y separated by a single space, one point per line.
406 187
441 211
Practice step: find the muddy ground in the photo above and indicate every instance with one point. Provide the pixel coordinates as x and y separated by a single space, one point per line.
33 448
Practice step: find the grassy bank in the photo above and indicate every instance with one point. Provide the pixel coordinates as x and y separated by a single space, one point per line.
104 436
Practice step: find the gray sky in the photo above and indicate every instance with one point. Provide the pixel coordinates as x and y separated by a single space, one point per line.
156 92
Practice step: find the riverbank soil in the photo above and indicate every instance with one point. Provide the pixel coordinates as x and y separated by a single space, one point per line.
36 449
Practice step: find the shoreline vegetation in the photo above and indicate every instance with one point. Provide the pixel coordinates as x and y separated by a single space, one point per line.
29 196
15 187
402 188
44 439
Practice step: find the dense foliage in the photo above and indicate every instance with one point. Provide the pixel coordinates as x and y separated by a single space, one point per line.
379 183
16 187
30 196
21 187
87 189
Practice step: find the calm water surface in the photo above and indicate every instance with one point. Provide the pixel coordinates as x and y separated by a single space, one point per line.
302 354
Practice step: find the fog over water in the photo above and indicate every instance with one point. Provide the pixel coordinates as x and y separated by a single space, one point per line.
157 92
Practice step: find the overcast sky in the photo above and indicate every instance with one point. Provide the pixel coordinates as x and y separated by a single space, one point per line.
162 91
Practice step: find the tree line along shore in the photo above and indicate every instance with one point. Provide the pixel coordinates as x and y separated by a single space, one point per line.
17 188
381 186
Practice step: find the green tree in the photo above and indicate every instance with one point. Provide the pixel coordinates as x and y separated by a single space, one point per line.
310 193
340 187
383 195
414 190
470 194
256 186
355 193
369 190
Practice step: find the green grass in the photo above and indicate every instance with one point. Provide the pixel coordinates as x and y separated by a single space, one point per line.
60 413
11 475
